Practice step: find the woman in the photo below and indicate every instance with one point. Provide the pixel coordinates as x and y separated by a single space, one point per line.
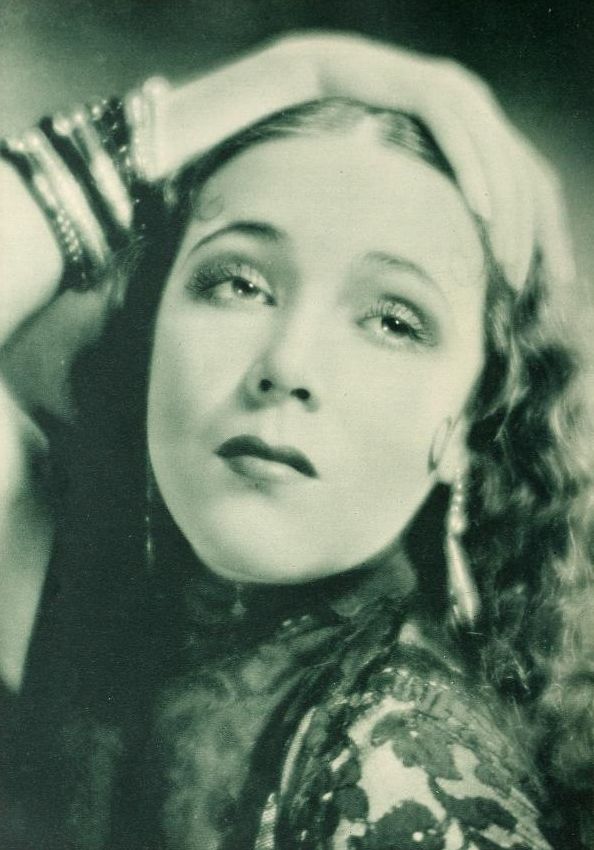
276 668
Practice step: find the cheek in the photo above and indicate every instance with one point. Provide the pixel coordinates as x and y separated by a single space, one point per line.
175 388
195 369
393 416
390 434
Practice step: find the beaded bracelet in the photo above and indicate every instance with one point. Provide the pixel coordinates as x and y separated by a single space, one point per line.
79 171
110 121
79 236
140 110
76 142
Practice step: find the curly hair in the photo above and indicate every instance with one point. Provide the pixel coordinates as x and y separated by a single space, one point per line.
531 536
531 539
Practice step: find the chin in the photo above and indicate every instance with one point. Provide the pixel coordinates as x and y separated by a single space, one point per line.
264 557
252 540
258 566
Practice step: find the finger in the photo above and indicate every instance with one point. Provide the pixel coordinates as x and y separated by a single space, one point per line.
511 227
426 87
497 147
491 181
404 81
525 225
453 137
552 223
468 125
520 260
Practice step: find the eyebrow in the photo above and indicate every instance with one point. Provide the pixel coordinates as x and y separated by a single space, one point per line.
400 264
269 233
259 229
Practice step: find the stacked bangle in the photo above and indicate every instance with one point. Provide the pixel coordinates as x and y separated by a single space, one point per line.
141 109
109 118
60 197
78 169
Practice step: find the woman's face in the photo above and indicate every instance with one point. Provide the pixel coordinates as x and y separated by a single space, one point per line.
322 319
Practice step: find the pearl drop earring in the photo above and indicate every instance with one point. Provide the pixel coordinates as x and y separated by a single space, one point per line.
464 598
149 542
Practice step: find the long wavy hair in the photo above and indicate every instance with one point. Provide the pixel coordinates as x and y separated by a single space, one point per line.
530 538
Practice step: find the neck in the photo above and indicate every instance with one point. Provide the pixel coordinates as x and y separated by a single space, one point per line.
200 596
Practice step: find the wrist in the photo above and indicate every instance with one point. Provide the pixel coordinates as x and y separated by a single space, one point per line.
173 125
72 167
31 264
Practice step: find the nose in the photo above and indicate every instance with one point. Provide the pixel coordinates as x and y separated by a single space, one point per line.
282 374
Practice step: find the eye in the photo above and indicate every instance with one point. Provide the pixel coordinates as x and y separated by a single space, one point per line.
396 323
229 284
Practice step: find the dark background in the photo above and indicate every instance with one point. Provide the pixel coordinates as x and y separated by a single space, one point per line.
538 55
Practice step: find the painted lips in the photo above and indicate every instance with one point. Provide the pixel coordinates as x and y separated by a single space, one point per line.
252 457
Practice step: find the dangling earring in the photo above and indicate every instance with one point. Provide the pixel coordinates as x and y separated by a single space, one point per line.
464 598
439 443
238 610
149 507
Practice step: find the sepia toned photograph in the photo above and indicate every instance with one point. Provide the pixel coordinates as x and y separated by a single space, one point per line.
296 425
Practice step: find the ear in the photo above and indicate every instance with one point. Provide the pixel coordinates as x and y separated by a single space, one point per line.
454 455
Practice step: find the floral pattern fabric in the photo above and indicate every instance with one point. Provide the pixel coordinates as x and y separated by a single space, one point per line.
306 723
412 762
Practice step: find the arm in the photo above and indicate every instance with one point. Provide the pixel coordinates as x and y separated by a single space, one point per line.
30 261
30 270
503 181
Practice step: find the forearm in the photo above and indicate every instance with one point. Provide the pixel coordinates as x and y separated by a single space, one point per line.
169 127
191 118
30 261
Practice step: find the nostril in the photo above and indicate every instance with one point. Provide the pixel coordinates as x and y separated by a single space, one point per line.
265 385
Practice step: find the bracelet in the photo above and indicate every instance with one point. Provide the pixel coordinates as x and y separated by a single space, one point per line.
141 109
109 119
76 142
79 236
62 226
79 170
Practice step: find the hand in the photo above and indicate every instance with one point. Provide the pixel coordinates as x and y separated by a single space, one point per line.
504 181
502 177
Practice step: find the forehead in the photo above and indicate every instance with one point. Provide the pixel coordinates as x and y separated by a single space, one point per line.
346 195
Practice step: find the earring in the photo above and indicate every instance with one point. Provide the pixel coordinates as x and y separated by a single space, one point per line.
149 540
464 598
238 611
440 441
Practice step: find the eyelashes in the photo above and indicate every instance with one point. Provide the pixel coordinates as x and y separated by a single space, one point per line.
391 320
225 283
394 321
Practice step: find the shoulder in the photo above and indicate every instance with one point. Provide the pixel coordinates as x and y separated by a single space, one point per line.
421 761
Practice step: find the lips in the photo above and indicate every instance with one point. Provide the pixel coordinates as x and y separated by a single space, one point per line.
245 445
